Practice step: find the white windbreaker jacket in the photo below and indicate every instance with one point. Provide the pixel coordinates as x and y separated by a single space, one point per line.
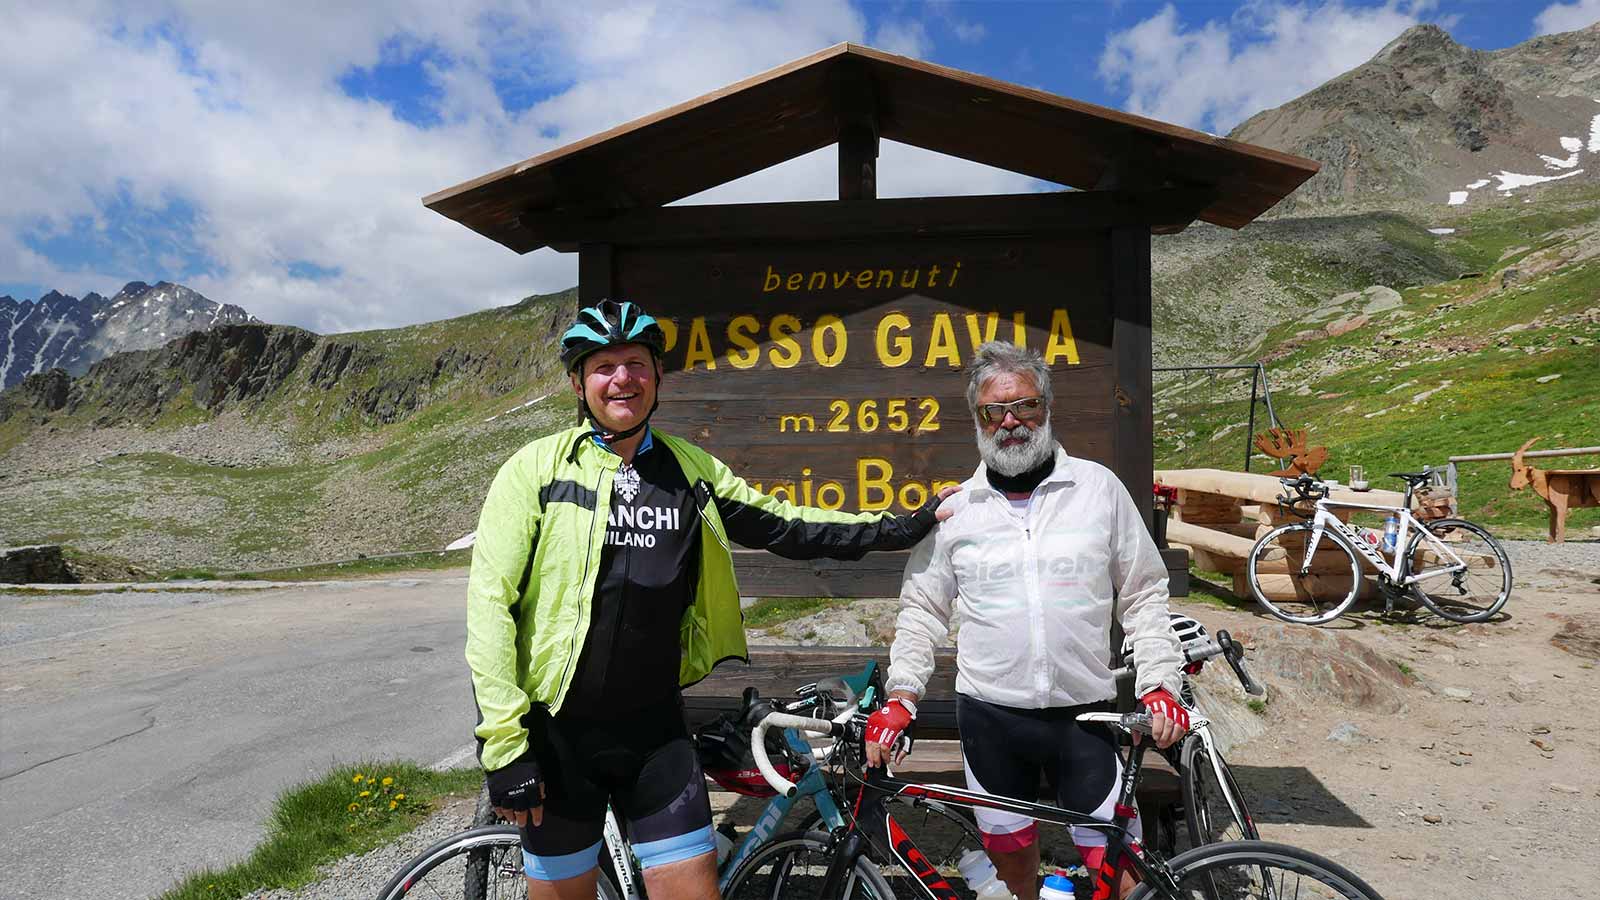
1036 594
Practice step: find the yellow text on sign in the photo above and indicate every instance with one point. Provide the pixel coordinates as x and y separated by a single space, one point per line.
897 340
916 415
876 488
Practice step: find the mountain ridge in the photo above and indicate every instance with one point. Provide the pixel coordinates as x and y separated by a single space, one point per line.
59 331
1428 120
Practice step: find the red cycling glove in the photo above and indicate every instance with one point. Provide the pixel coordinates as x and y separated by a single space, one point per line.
890 721
1159 701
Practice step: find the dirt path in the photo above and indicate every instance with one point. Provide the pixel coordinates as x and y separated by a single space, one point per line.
1477 775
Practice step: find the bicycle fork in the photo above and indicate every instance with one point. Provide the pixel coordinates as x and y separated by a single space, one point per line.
1108 880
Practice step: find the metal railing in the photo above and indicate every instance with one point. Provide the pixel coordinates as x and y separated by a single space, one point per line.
1258 389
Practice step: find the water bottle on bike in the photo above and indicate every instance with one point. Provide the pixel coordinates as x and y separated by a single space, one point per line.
1057 887
1391 533
980 876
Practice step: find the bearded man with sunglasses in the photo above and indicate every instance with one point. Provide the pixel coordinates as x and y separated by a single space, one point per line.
1043 552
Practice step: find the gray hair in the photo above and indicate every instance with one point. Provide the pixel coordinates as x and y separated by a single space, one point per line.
1006 358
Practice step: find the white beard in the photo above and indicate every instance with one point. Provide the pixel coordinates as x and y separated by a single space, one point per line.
1017 458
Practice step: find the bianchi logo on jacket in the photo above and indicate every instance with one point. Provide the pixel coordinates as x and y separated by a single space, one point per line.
637 526
627 483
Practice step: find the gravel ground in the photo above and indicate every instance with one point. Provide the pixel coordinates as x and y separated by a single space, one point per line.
1581 556
365 874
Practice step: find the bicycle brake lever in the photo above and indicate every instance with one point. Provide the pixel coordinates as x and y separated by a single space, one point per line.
1233 652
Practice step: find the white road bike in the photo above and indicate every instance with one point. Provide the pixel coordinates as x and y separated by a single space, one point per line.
1452 566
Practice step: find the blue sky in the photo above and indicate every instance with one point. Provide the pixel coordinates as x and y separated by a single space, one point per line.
275 157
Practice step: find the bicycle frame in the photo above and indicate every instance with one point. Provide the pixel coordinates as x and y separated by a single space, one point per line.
874 824
1203 732
813 784
1324 520
777 809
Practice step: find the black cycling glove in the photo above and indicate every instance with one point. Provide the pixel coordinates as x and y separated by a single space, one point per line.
516 785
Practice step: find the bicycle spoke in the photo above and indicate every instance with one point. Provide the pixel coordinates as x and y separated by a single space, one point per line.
1471 594
1256 881
1315 596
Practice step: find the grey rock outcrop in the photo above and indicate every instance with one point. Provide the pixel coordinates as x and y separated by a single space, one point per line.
1427 116
59 331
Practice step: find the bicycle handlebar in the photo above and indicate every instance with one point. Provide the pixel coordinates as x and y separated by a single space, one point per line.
1222 645
1233 652
758 746
1134 722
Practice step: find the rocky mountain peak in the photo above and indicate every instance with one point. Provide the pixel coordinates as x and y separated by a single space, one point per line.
1421 42
62 331
1428 119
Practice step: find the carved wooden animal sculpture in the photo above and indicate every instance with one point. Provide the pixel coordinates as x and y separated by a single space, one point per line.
1289 449
1563 489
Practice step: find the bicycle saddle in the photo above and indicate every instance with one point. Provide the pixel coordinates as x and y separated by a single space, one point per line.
1412 477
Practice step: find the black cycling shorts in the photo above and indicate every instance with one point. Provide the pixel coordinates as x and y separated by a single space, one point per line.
645 766
1005 749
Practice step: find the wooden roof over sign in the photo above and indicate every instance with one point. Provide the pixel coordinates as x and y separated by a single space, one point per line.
800 107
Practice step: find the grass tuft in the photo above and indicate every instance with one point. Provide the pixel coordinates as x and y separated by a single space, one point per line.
351 810
777 610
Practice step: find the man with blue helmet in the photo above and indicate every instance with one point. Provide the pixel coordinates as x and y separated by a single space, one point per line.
602 582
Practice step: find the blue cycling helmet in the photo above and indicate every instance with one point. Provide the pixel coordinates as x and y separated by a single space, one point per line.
608 324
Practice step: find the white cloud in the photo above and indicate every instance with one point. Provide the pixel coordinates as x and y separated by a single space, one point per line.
1558 17
234 110
907 38
1216 75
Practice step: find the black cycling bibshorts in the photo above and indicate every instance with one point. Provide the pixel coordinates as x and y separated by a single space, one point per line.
644 764
1004 749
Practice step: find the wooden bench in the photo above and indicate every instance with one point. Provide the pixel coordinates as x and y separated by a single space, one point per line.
776 671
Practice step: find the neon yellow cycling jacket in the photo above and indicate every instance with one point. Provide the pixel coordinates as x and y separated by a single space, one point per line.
537 556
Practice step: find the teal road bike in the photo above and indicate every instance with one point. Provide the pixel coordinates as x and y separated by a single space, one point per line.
484 862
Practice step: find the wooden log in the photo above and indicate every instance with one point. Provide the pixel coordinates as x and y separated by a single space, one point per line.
1201 508
776 671
1324 562
1263 489
1216 562
1273 516
1290 587
1426 558
1202 538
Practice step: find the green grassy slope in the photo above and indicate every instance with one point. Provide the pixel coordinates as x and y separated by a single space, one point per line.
1455 370
396 451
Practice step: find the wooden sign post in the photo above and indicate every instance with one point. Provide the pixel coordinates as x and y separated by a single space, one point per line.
822 349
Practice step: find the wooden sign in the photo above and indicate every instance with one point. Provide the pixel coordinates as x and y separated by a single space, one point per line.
835 374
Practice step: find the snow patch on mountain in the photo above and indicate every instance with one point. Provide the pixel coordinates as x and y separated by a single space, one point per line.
62 331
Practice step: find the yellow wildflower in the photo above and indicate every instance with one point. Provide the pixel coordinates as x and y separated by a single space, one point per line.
393 804
364 794
387 781
356 779
353 807
399 796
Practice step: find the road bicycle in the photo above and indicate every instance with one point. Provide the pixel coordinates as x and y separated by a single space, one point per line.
830 865
1316 568
1212 806
484 862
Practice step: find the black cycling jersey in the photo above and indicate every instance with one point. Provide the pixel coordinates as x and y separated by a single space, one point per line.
647 577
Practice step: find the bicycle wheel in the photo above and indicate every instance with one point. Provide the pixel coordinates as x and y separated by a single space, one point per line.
942 832
1213 807
475 879
792 867
1471 595
1322 594
1243 870
440 871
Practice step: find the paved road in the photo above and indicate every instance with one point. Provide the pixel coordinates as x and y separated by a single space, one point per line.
143 735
